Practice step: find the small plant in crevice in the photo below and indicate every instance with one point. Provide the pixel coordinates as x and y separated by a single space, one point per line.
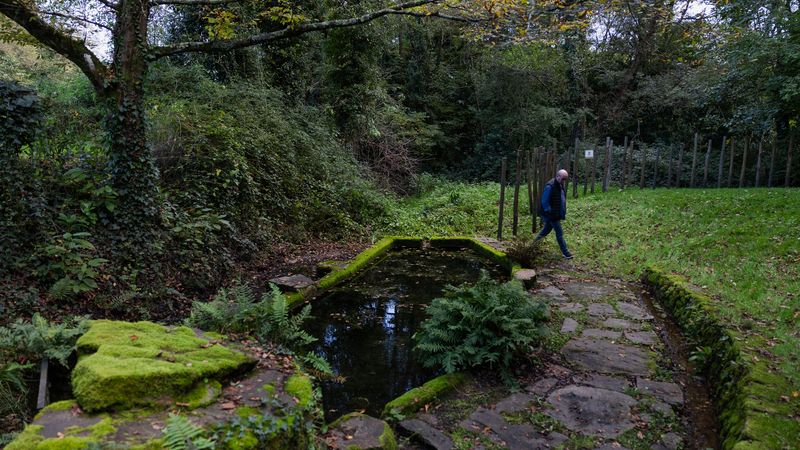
181 434
485 324
527 251
269 319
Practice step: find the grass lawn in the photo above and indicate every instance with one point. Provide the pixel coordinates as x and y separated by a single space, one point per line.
742 246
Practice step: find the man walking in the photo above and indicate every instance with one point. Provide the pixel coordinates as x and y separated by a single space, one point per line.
553 209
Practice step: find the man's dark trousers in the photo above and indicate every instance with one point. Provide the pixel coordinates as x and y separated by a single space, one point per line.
550 225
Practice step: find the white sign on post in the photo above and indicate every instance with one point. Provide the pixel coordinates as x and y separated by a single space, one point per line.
588 154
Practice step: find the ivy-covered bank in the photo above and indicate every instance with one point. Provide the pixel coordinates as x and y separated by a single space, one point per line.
754 410
146 386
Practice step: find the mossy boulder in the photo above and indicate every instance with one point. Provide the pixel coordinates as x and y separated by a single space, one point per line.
357 431
124 364
412 400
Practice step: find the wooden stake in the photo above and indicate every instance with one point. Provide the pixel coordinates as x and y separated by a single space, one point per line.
585 176
721 161
679 169
43 398
574 174
772 157
594 165
694 161
758 160
517 173
644 166
705 165
655 168
744 159
669 165
625 163
788 181
531 195
730 165
606 165
502 199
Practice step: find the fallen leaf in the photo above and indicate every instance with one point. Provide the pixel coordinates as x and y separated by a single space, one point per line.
228 406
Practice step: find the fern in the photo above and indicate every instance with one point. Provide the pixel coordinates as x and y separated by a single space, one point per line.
13 389
38 338
485 324
181 434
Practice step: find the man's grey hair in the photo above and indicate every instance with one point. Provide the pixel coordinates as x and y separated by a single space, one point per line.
561 174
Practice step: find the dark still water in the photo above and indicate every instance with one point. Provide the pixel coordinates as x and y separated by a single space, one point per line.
365 326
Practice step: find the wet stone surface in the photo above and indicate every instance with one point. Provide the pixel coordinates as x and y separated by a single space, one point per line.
601 387
592 411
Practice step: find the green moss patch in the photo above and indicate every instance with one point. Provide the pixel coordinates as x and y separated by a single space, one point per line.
126 364
747 396
412 400
74 438
300 386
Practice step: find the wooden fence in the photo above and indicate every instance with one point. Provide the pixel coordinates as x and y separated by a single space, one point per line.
677 165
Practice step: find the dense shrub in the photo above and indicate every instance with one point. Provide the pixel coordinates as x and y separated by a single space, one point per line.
486 324
526 250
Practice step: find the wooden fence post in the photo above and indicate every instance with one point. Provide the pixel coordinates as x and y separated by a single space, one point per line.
694 161
585 176
705 166
721 161
502 198
644 165
788 181
625 163
679 168
772 157
606 165
531 195
575 170
594 165
730 165
655 168
517 174
758 160
670 159
744 159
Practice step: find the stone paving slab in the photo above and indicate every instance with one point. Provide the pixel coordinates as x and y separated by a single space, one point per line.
588 291
551 292
602 381
633 311
571 307
543 386
427 434
603 356
512 436
668 392
592 411
601 334
569 325
641 337
514 403
621 324
601 309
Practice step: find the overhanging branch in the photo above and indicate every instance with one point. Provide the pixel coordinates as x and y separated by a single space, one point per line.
261 38
191 2
62 43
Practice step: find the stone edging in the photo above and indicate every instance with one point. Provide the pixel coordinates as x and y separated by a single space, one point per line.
365 258
746 395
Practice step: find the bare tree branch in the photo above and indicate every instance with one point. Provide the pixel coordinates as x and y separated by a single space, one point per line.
192 2
256 39
73 49
440 16
78 18
110 4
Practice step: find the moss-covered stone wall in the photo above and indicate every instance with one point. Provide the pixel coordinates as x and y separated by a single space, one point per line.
747 394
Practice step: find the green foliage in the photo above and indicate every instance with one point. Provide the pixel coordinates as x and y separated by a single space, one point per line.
13 389
488 323
527 251
20 117
235 310
36 339
69 260
181 434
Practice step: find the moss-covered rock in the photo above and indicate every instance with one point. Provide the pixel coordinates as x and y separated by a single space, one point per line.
412 400
747 396
125 364
71 438
356 431
300 387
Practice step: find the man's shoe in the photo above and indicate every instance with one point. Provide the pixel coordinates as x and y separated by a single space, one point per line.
568 256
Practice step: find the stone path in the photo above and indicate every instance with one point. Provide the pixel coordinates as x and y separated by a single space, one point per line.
603 390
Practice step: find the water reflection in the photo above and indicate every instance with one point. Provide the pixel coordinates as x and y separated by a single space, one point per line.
365 328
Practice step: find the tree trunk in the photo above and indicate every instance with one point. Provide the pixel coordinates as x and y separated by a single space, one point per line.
133 172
